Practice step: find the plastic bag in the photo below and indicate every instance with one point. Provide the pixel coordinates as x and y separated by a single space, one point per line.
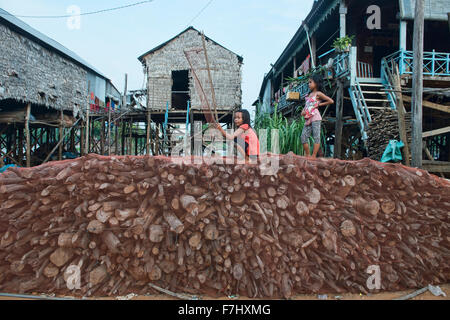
393 152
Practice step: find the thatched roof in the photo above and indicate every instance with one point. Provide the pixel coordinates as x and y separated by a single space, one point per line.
36 69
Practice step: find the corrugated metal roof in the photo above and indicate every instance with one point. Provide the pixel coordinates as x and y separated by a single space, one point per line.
51 44
433 9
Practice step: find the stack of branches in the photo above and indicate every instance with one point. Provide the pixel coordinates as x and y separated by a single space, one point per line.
384 127
312 226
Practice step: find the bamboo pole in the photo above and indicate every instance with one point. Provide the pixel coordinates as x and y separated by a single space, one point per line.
213 94
27 133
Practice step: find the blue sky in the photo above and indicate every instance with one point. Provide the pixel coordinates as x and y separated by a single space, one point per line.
112 41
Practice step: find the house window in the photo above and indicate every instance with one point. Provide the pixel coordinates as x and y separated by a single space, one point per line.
180 89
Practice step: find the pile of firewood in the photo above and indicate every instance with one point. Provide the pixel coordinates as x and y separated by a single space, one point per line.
313 226
384 127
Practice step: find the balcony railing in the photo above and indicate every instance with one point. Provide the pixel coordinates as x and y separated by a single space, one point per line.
435 64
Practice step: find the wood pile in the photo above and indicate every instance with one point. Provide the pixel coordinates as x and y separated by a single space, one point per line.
384 127
314 226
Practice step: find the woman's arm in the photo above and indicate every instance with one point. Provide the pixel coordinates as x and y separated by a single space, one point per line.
237 133
325 100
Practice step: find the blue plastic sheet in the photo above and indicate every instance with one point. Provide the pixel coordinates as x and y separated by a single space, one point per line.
392 153
4 168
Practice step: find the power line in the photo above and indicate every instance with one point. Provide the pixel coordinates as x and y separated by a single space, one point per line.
200 12
81 14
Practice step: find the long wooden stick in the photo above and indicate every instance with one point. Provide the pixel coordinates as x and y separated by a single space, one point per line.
213 95
27 133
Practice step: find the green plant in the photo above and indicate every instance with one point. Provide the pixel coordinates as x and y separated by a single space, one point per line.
289 132
343 43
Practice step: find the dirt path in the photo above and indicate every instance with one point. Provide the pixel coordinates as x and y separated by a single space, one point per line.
379 296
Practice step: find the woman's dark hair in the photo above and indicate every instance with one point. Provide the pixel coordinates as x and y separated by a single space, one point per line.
245 116
317 78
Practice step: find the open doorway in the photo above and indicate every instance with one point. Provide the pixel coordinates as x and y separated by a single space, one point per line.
180 89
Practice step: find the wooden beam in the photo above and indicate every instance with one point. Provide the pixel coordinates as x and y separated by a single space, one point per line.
436 166
417 86
27 133
429 156
431 105
435 132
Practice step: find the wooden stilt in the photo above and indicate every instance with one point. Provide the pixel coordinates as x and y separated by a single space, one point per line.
147 142
157 139
82 146
102 137
339 123
21 136
27 133
109 129
401 117
130 140
116 134
61 129
123 136
88 107
417 86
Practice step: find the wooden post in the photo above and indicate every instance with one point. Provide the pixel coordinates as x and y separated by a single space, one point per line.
116 144
294 62
20 147
342 20
82 129
147 141
123 135
157 139
339 123
88 108
124 97
314 50
109 129
403 34
130 140
61 128
102 137
401 116
417 86
27 133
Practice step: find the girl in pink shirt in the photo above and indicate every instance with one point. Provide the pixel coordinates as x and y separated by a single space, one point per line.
314 100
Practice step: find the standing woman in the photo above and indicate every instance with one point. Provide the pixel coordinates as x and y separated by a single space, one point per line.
245 137
315 99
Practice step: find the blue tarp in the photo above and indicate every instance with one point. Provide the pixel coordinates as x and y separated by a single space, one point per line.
393 152
4 168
